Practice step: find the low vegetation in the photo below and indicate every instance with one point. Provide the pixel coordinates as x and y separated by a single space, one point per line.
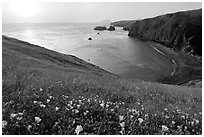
45 92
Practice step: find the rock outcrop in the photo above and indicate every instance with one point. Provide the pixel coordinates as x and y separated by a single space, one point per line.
111 28
100 28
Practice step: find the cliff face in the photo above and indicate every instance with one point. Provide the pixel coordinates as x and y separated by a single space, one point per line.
180 31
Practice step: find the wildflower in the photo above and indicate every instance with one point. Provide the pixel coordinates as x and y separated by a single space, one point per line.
48 100
166 117
70 102
75 111
50 97
13 116
56 108
121 132
140 120
173 122
29 127
182 116
19 118
78 129
121 117
164 128
20 114
196 121
4 124
42 105
146 115
165 109
112 109
116 106
135 111
37 119
35 102
78 106
107 105
131 116
122 125
102 104
41 89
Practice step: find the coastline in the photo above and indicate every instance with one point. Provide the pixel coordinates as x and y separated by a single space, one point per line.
186 68
171 60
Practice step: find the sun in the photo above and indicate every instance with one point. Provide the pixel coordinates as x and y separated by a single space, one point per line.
24 9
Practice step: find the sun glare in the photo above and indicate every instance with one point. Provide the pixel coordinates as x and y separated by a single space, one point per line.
25 9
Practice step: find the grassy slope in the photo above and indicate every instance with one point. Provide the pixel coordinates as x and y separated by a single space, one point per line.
64 91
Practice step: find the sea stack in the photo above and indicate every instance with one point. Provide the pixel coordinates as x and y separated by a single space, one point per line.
111 28
90 38
100 28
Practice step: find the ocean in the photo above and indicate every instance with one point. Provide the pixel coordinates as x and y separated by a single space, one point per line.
113 51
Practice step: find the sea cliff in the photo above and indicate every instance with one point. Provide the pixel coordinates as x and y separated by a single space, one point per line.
181 30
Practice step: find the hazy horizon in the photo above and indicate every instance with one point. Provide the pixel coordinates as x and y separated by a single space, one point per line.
79 12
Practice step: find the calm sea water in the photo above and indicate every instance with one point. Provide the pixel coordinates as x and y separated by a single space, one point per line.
113 51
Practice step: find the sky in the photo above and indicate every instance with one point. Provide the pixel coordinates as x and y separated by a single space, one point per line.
43 12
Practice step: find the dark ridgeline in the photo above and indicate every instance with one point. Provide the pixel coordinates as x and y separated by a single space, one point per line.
180 31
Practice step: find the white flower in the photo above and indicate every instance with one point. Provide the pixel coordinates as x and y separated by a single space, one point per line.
102 104
140 120
42 105
56 108
48 100
86 112
20 114
173 122
164 128
19 118
35 102
122 125
29 127
196 121
41 89
13 116
165 109
166 117
50 97
37 119
121 117
78 129
78 106
135 111
183 116
4 124
117 106
131 116
75 111
121 132
107 105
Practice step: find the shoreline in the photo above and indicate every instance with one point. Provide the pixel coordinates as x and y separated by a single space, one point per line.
186 68
170 60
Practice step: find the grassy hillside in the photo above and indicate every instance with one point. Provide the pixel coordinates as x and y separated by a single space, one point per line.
45 92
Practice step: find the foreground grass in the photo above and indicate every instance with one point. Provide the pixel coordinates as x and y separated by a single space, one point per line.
46 96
